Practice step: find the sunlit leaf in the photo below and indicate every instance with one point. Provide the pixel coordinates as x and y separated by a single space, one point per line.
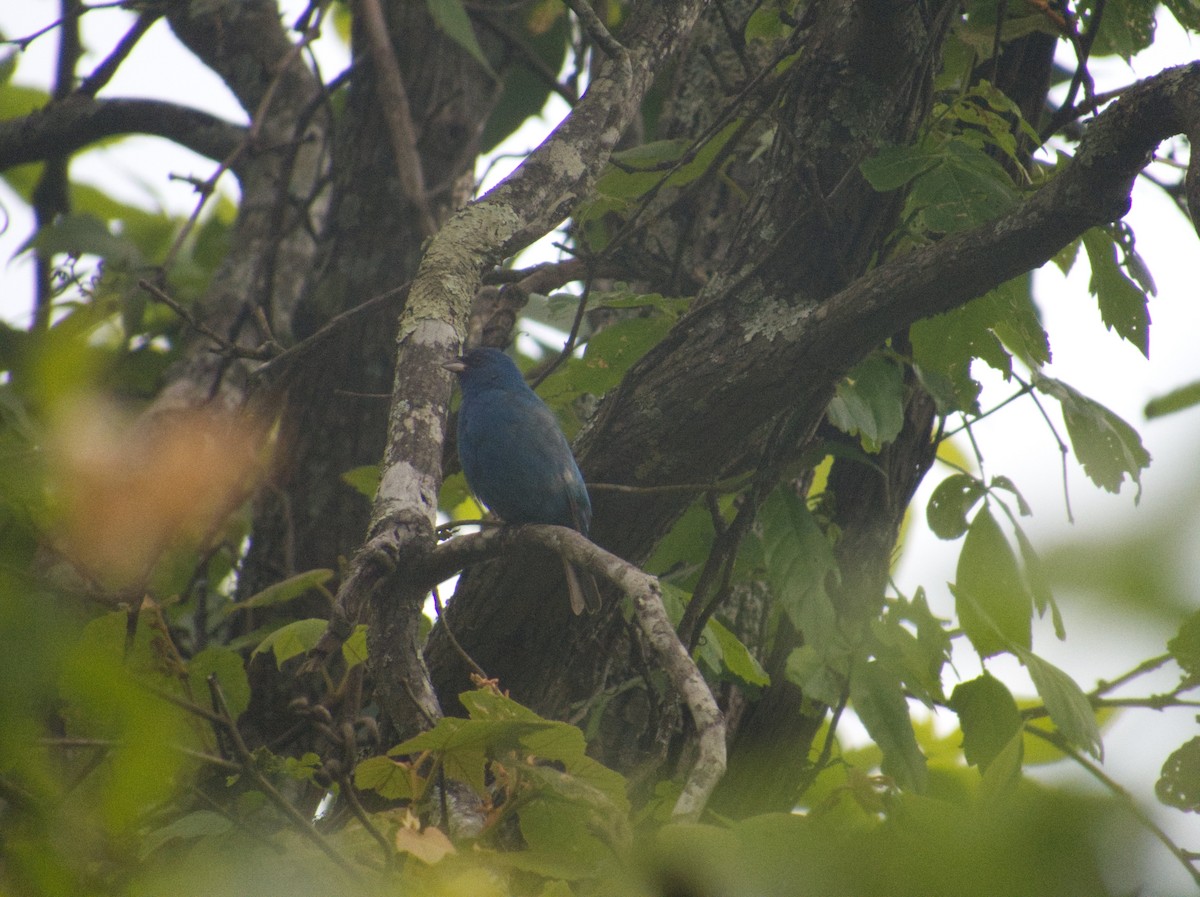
286 590
292 640
736 657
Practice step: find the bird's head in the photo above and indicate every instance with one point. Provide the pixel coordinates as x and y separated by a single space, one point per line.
485 367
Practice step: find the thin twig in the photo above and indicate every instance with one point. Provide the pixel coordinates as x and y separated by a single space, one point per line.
1186 859
462 652
226 347
208 187
572 336
356 807
250 768
103 73
596 30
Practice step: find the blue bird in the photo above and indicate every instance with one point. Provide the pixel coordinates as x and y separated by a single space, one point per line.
516 459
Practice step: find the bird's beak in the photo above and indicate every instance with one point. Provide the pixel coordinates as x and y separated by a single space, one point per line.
456 365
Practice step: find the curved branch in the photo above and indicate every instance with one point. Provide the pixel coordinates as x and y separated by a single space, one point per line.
72 124
795 350
646 595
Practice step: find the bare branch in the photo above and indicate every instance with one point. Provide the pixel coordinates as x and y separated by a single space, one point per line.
78 121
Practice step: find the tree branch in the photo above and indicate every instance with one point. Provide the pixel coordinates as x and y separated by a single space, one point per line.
71 124
646 596
393 105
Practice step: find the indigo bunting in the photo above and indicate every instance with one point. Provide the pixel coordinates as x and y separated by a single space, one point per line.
516 459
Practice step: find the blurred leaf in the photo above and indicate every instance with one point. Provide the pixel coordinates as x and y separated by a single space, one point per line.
105 684
230 670
799 558
524 91
989 718
197 824
1179 784
1038 582
429 845
736 657
869 402
1123 304
1176 400
1126 28
879 702
364 480
354 649
291 640
1003 482
993 606
1185 645
83 235
950 504
286 590
1106 446
1003 773
451 17
1069 708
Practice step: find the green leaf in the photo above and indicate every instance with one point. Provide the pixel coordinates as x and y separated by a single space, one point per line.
364 480
950 504
1003 482
993 606
965 189
451 17
989 718
1018 323
1069 708
84 235
1176 400
879 702
1126 27
288 641
1106 446
197 824
354 649
1038 581
230 670
869 403
737 657
809 669
286 590
895 166
1185 645
560 842
1003 774
1123 304
386 777
524 91
798 559
1179 783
